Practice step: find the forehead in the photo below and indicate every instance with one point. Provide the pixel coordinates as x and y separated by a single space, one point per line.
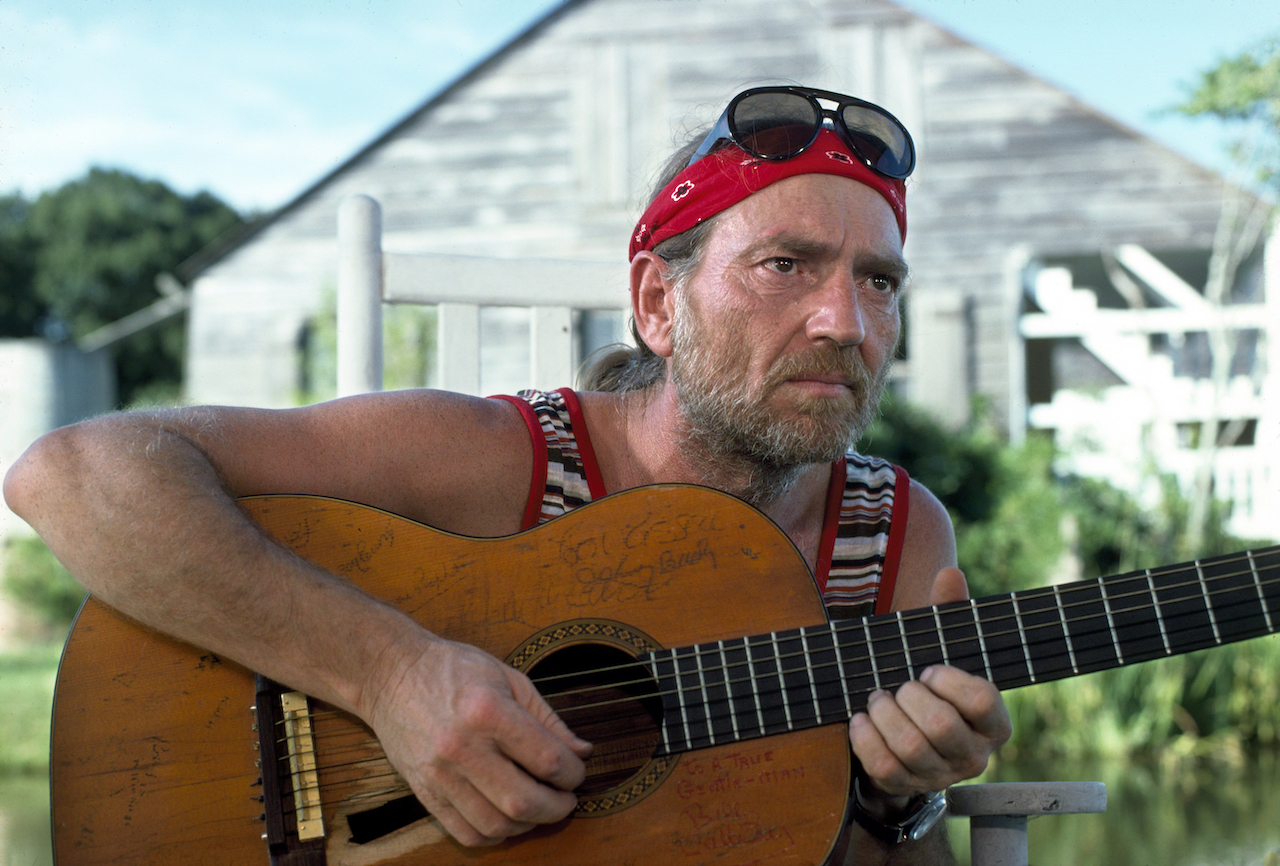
823 208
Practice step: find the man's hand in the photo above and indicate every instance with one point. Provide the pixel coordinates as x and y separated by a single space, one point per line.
935 731
482 750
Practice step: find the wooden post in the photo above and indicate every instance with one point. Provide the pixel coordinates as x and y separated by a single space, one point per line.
359 296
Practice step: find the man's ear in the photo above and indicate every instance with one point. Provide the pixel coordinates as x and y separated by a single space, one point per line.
652 303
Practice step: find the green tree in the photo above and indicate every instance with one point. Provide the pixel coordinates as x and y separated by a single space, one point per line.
96 246
1244 93
20 310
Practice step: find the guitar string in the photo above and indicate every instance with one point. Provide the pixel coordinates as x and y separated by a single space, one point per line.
927 616
811 668
991 636
1054 625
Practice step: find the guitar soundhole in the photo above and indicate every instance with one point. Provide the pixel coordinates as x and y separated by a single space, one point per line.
609 699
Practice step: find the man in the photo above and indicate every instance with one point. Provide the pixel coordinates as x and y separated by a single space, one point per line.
765 286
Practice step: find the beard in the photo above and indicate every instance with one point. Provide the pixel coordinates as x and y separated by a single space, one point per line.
753 426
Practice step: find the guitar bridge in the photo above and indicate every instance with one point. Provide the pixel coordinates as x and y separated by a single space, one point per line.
300 746
290 776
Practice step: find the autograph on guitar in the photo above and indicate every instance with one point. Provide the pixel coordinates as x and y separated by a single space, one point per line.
675 628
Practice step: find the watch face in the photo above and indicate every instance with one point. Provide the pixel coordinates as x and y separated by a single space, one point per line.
932 810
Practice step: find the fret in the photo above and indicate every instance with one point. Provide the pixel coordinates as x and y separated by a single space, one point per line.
982 642
693 714
1262 597
830 700
1049 655
770 698
1005 653
1238 609
1155 603
870 650
1111 623
845 679
713 693
663 667
942 644
888 651
857 667
1133 618
724 721
1208 603
1022 637
1266 579
704 694
1087 626
906 648
797 682
1184 607
922 633
1066 633
959 631
748 719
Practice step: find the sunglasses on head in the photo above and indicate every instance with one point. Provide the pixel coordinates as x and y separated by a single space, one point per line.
781 122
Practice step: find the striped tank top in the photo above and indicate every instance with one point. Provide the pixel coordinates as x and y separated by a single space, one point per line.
863 532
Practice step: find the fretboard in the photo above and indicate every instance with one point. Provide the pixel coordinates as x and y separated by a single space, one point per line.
726 691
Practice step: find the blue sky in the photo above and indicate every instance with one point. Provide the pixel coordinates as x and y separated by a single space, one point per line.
256 100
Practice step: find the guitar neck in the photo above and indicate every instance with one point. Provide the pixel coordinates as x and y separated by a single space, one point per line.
726 691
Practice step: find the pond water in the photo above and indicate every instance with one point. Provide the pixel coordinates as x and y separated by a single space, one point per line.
1152 819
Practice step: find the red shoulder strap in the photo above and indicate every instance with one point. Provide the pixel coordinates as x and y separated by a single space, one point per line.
897 539
595 481
538 481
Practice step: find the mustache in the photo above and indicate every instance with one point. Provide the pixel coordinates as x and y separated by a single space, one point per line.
842 361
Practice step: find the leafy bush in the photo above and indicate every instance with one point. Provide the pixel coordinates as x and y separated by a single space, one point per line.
1004 501
1009 509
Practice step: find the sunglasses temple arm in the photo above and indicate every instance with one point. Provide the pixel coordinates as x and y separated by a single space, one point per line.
719 132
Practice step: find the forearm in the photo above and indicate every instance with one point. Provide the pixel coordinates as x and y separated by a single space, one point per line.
140 517
933 850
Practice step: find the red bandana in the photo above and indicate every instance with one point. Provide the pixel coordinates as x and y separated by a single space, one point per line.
721 180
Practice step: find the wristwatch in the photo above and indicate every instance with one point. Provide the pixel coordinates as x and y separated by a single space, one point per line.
914 827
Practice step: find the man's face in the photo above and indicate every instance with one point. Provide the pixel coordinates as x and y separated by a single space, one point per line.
783 339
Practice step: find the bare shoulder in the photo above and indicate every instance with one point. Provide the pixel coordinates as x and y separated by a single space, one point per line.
930 546
456 462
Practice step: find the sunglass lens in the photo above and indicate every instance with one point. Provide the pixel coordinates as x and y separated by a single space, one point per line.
774 125
879 140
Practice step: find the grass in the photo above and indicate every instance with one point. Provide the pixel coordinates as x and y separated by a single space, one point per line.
26 700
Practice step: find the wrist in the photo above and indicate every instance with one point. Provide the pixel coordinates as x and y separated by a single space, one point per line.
891 819
387 661
884 807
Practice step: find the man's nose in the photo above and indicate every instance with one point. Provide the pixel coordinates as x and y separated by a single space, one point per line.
838 313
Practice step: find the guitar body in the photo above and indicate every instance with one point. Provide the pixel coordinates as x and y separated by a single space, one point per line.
154 749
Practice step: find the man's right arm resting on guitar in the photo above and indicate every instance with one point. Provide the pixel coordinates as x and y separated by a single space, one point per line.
141 510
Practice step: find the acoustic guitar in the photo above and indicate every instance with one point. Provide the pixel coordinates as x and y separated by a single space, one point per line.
675 628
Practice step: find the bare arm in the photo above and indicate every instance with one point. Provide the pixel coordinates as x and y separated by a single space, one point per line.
141 510
935 731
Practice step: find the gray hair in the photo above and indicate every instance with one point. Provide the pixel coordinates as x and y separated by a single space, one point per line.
620 368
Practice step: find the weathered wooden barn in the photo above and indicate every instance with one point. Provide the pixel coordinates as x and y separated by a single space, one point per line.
547 150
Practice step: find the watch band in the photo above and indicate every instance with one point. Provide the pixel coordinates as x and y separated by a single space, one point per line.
914 827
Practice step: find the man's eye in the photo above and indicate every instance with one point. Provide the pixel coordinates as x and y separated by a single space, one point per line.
882 283
783 265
